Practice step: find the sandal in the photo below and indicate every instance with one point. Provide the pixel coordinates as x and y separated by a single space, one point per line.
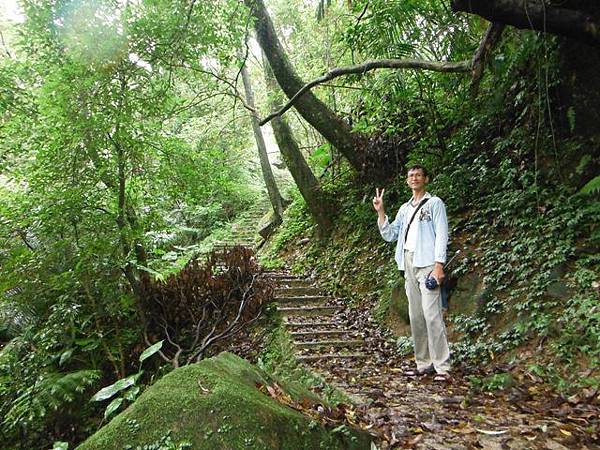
419 373
442 378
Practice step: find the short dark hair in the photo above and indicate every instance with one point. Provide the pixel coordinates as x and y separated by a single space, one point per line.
417 167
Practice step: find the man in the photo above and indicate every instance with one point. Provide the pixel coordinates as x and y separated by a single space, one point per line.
421 230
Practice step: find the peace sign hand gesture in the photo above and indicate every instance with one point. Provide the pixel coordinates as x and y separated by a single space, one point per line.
378 200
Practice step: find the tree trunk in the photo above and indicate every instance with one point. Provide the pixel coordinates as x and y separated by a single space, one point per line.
570 19
273 191
314 111
578 105
320 207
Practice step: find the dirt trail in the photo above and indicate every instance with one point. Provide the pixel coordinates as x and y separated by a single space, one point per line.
348 348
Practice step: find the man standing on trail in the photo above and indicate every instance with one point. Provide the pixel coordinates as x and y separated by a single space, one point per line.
421 229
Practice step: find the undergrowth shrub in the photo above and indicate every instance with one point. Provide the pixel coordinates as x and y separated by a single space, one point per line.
206 302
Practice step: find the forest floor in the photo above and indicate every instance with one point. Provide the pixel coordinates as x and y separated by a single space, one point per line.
513 409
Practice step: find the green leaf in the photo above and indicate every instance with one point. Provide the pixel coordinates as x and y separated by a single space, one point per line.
157 275
87 343
321 157
591 186
109 391
60 445
132 393
151 351
113 406
65 356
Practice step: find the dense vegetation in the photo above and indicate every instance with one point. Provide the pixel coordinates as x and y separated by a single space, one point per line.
127 152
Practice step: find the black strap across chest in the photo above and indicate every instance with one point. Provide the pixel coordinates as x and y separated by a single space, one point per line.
413 217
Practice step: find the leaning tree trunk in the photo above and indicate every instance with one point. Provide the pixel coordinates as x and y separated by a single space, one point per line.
319 205
273 191
314 111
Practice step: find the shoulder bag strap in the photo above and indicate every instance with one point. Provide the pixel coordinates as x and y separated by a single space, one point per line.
413 217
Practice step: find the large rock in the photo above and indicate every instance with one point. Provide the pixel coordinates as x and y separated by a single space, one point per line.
217 404
558 288
467 295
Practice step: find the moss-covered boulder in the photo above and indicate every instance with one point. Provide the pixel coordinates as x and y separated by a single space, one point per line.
217 404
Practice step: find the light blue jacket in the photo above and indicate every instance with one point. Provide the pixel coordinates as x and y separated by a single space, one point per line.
432 232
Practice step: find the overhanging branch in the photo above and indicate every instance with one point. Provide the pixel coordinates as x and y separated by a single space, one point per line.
536 15
462 66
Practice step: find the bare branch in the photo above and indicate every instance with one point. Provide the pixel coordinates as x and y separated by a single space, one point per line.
6 50
230 328
360 69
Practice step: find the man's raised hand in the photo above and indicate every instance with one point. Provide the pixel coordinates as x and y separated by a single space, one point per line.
378 200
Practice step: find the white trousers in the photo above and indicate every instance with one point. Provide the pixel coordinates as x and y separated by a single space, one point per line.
426 319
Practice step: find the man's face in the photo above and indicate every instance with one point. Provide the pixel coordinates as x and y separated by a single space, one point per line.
416 179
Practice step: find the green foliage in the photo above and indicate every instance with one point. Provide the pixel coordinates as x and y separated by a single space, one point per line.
320 158
495 382
111 169
50 393
121 157
278 358
296 221
164 443
36 386
404 346
592 186
508 177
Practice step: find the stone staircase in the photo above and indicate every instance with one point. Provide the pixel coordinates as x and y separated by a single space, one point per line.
328 338
318 323
244 232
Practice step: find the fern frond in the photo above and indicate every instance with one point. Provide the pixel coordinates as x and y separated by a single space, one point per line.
15 316
592 186
52 392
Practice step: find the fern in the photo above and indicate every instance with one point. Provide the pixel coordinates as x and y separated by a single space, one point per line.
53 391
592 186
15 317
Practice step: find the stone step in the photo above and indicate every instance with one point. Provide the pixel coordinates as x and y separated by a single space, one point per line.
293 282
331 343
311 325
305 300
307 334
332 356
297 291
283 275
309 311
